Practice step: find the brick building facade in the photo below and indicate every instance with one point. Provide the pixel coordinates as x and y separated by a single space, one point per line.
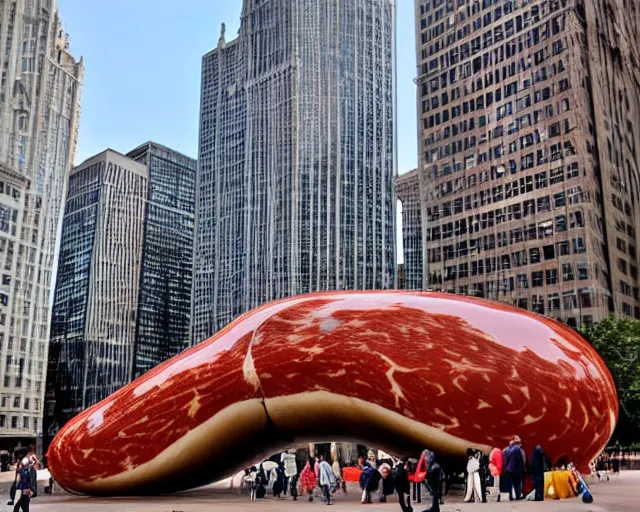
529 129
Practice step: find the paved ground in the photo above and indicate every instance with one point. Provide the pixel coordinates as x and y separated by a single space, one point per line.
618 495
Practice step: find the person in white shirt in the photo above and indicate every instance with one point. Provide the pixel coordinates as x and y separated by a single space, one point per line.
288 461
474 485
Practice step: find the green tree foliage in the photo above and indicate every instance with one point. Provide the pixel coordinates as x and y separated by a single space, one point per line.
618 343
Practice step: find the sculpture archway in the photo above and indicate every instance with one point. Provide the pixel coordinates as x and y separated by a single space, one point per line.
403 371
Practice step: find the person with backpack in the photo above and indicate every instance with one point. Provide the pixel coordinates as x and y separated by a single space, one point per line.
25 486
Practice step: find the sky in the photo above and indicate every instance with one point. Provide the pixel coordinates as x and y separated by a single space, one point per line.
142 71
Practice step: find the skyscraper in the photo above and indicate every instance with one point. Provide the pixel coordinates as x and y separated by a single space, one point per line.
297 156
40 89
122 300
529 162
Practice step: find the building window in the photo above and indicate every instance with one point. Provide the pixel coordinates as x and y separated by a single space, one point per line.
567 272
538 304
552 276
536 278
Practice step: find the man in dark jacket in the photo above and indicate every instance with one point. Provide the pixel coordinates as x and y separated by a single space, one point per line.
434 482
537 472
26 485
514 469
403 487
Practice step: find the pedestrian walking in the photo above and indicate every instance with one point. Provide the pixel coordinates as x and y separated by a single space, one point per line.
615 463
495 468
277 481
250 476
309 477
474 485
25 486
402 485
288 461
434 482
326 480
371 480
537 472
514 469
337 471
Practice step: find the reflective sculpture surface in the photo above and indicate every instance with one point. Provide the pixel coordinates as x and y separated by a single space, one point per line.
400 370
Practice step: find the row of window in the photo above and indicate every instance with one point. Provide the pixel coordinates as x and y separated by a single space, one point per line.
13 422
17 401
508 190
458 61
510 108
488 99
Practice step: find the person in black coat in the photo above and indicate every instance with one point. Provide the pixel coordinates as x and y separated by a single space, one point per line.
403 486
433 482
537 472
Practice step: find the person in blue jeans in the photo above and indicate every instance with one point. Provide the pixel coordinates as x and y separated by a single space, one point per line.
25 485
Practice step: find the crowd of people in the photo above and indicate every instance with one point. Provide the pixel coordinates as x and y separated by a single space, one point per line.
606 464
496 476
287 477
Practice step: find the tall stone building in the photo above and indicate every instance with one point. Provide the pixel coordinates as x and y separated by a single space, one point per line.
122 300
40 88
529 165
297 156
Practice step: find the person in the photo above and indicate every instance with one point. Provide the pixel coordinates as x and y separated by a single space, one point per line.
434 482
26 486
326 479
277 482
288 461
615 463
371 459
537 472
14 485
495 468
261 482
337 471
402 485
33 459
250 476
514 469
309 477
474 486
483 461
372 479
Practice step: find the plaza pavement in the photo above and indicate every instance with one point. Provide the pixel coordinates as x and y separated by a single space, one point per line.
618 495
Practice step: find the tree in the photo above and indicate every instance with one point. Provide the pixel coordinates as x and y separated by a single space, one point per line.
618 343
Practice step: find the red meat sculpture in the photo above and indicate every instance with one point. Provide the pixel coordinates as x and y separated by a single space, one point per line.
399 370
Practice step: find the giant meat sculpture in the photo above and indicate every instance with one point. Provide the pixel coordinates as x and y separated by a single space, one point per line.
400 370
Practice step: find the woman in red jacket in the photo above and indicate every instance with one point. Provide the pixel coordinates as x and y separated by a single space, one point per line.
495 468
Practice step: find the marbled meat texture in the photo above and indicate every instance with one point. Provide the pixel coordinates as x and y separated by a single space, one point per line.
478 370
